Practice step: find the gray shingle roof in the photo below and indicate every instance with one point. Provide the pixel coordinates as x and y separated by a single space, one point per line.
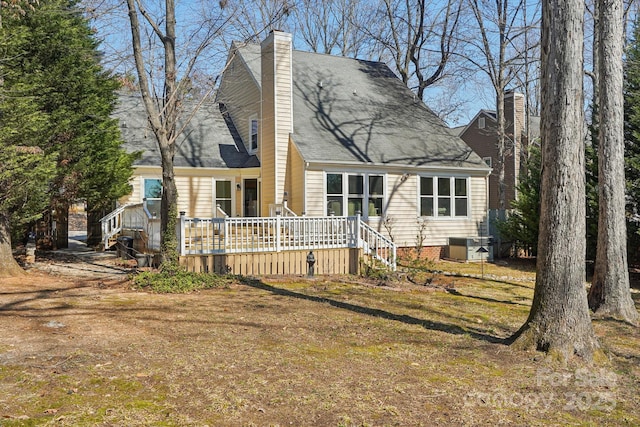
209 140
354 111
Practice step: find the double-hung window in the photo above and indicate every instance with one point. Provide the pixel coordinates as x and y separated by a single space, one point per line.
356 194
376 195
335 194
153 194
253 137
444 197
360 193
223 196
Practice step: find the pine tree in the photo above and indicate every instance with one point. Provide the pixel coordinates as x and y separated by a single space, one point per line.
57 140
521 226
80 98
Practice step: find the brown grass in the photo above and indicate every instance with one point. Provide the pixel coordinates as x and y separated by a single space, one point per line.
294 351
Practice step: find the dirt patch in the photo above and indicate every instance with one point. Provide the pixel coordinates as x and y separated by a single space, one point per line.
85 349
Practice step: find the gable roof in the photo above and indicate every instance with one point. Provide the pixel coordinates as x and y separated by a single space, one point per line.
534 123
354 112
209 140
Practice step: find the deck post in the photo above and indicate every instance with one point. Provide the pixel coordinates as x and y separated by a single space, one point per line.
357 230
181 237
278 236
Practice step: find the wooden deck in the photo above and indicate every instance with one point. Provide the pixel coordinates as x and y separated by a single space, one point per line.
258 245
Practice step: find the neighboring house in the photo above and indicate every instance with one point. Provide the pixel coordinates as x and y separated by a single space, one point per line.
481 135
318 135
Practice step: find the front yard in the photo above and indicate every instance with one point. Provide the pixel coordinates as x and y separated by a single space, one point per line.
295 351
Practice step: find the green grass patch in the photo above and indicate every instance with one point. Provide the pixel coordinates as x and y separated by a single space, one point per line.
179 281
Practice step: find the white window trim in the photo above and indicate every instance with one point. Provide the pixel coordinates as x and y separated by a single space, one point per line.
143 191
452 197
214 195
365 196
250 148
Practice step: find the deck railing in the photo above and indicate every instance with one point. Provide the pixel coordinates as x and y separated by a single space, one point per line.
227 235
199 236
132 217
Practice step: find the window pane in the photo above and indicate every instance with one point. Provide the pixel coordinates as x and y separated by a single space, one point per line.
375 206
355 185
355 205
152 188
153 206
461 187
223 189
334 205
444 206
375 185
254 134
461 207
426 206
444 187
225 205
334 183
426 186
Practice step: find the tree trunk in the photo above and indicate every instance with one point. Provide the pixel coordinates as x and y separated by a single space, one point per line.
94 227
610 294
62 225
559 321
168 206
8 265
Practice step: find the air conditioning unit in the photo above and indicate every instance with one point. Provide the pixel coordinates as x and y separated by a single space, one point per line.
471 248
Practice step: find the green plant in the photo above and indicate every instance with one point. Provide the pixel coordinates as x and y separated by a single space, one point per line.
178 281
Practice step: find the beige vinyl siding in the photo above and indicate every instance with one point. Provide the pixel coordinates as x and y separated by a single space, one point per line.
195 188
401 200
276 116
195 196
401 207
439 230
283 106
241 95
267 142
295 180
315 193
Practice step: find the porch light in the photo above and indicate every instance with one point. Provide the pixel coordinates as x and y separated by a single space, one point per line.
238 187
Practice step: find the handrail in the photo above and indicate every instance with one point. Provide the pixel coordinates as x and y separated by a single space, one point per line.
377 245
131 216
220 213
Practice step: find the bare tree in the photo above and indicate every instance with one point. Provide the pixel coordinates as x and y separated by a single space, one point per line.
420 37
252 21
559 321
337 27
610 294
500 61
163 95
